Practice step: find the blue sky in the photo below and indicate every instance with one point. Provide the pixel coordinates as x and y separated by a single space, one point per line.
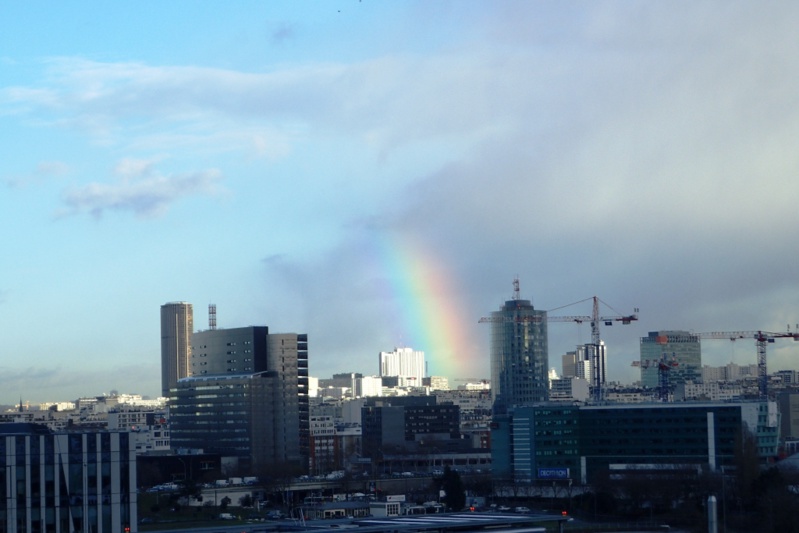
250 154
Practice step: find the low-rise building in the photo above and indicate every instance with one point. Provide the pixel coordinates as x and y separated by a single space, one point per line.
547 442
76 481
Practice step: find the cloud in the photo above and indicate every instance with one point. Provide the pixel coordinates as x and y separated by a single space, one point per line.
281 33
44 172
140 189
642 154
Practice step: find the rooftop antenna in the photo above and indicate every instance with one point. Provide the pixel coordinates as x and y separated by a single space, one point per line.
212 316
516 292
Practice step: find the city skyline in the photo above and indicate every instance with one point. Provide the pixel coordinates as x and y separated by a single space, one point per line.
376 174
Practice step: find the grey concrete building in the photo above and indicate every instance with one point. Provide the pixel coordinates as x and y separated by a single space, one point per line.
246 397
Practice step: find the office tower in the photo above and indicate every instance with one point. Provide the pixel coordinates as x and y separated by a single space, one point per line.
237 416
405 363
229 351
288 357
71 481
519 354
271 371
580 363
177 324
680 351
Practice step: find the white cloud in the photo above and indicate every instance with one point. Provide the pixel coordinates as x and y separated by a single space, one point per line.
140 191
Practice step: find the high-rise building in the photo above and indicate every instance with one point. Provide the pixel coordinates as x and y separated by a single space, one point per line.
519 354
177 324
239 416
405 363
279 395
580 363
681 353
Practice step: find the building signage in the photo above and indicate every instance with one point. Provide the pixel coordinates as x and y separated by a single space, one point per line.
553 473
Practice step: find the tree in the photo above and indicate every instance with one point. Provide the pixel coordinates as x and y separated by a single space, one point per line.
747 466
454 491
224 503
245 501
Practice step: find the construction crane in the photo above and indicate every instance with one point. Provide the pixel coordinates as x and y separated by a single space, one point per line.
594 319
664 365
762 339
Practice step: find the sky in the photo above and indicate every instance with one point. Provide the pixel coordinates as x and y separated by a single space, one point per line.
376 174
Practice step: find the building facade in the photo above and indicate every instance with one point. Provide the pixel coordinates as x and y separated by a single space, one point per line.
529 444
405 363
580 363
177 325
680 350
229 351
788 404
519 354
237 416
66 482
268 385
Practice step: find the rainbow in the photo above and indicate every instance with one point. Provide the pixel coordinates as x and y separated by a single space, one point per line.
426 307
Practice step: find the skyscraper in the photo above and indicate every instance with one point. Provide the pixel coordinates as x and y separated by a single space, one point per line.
177 324
519 354
681 351
580 363
271 371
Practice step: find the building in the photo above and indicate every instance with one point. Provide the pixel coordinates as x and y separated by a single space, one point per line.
436 383
680 350
229 351
238 416
788 404
409 430
569 389
548 442
405 363
580 363
519 354
729 372
714 391
177 324
367 386
68 482
269 386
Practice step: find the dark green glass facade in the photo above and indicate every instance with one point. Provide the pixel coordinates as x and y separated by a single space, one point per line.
589 439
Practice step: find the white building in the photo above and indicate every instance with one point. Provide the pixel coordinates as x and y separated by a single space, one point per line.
368 386
405 363
569 389
714 391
